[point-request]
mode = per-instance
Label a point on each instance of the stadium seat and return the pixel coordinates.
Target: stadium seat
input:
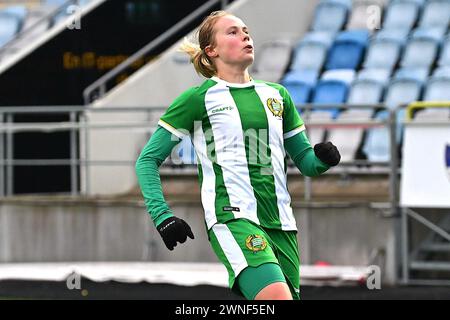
(422, 48)
(385, 48)
(299, 83)
(438, 86)
(311, 51)
(436, 14)
(333, 88)
(419, 74)
(377, 143)
(348, 49)
(10, 24)
(444, 59)
(401, 14)
(348, 139)
(331, 15)
(364, 91)
(404, 88)
(344, 75)
(18, 11)
(273, 58)
(381, 75)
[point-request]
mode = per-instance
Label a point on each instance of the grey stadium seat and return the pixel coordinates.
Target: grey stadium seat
(438, 86)
(311, 51)
(422, 48)
(272, 60)
(436, 14)
(385, 48)
(402, 14)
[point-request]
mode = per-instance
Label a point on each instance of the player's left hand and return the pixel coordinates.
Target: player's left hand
(327, 153)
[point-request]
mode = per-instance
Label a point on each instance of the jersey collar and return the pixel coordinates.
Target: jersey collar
(234, 85)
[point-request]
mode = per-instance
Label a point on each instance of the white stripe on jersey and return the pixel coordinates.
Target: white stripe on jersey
(292, 133)
(171, 129)
(230, 151)
(278, 153)
(230, 248)
(208, 188)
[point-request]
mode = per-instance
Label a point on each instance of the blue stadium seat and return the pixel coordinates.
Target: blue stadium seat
(401, 14)
(438, 86)
(347, 50)
(405, 87)
(365, 92)
(10, 24)
(385, 48)
(422, 48)
(330, 92)
(444, 59)
(436, 14)
(380, 75)
(331, 15)
(18, 11)
(333, 88)
(311, 51)
(300, 83)
(377, 144)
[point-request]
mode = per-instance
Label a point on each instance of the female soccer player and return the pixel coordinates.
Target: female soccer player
(241, 129)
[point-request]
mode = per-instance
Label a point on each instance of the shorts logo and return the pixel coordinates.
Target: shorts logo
(255, 243)
(275, 107)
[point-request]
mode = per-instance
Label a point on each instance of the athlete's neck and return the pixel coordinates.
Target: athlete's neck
(234, 75)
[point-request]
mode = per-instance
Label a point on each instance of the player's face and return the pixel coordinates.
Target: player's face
(233, 42)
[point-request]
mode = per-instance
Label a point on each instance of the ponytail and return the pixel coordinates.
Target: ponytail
(206, 37)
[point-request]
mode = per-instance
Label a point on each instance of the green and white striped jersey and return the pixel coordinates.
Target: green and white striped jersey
(237, 132)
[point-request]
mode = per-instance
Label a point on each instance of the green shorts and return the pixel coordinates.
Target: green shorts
(241, 243)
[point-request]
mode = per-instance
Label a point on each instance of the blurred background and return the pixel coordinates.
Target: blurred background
(83, 84)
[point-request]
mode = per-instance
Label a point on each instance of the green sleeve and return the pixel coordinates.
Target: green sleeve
(181, 115)
(157, 149)
(291, 119)
(299, 149)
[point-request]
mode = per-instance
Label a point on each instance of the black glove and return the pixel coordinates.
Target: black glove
(174, 229)
(327, 153)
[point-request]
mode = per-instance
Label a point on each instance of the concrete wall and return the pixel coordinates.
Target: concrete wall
(160, 82)
(67, 229)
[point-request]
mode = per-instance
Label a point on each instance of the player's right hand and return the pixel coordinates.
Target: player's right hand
(173, 230)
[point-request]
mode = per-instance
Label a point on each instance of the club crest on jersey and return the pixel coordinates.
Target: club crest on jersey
(447, 159)
(275, 107)
(255, 243)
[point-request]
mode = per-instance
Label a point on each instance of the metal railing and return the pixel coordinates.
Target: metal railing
(79, 129)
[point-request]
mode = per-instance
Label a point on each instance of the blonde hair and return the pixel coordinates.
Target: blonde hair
(206, 36)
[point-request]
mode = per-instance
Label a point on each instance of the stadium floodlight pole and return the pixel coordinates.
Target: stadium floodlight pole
(101, 82)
